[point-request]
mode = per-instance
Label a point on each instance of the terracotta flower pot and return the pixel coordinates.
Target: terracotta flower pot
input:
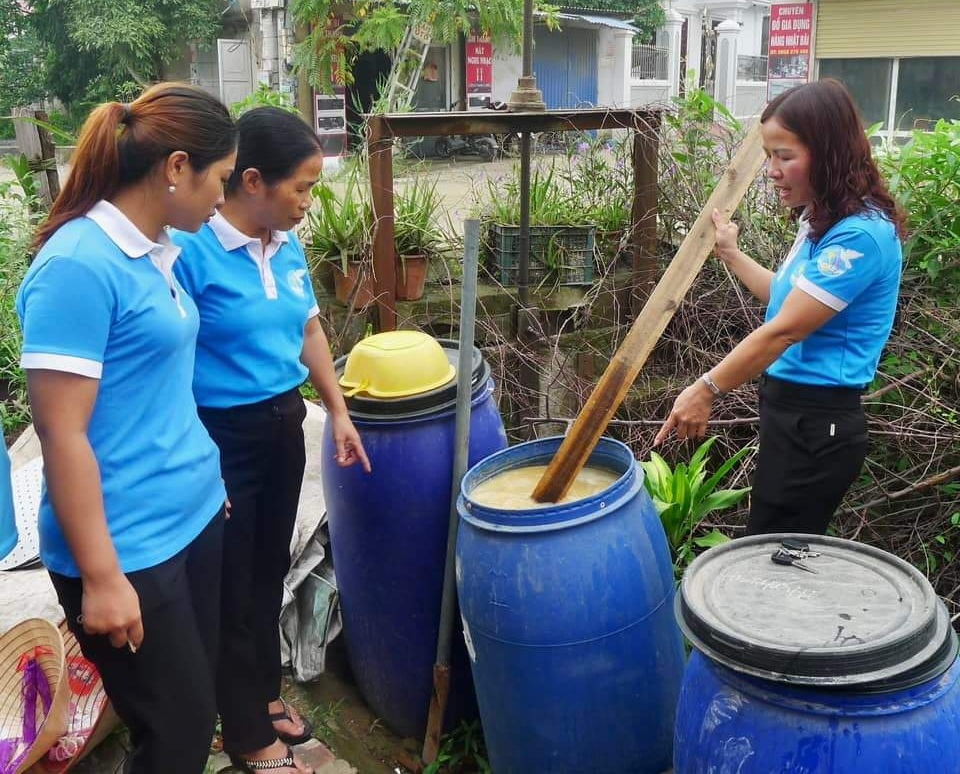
(355, 288)
(411, 277)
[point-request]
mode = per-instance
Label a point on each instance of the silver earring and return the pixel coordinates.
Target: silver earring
(172, 188)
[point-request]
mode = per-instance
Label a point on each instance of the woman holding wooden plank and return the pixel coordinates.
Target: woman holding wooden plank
(830, 309)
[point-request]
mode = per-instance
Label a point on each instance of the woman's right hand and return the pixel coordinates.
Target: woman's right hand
(111, 607)
(727, 233)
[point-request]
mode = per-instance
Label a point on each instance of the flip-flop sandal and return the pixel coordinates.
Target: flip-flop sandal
(269, 764)
(284, 714)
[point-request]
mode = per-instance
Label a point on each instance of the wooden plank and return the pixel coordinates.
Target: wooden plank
(30, 145)
(649, 325)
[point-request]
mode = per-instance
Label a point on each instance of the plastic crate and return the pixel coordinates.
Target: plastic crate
(559, 255)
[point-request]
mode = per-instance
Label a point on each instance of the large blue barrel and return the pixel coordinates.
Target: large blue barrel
(567, 610)
(388, 535)
(849, 665)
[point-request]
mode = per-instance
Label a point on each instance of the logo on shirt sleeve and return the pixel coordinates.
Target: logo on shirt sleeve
(836, 261)
(295, 278)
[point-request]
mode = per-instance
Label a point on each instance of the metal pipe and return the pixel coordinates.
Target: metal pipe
(527, 51)
(523, 243)
(468, 309)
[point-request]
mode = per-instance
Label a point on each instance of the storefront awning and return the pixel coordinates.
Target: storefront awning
(597, 21)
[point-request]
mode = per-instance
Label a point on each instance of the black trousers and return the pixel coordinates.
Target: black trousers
(165, 691)
(813, 441)
(262, 456)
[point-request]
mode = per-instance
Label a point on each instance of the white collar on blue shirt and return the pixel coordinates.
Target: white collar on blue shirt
(233, 238)
(125, 235)
(135, 244)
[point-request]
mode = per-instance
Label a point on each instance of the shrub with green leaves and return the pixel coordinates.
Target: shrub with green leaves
(18, 205)
(924, 176)
(684, 496)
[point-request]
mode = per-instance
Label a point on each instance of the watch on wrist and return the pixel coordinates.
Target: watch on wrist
(711, 385)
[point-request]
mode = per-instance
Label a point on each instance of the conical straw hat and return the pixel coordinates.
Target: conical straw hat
(90, 716)
(33, 693)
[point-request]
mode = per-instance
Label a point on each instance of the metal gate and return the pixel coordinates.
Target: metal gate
(565, 63)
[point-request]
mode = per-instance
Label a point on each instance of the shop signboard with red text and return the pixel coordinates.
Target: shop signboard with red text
(790, 56)
(479, 72)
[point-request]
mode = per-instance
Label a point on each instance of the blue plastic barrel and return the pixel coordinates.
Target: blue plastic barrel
(388, 535)
(849, 665)
(730, 722)
(568, 613)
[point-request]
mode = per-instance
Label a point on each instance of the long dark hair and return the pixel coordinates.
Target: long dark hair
(843, 174)
(274, 142)
(120, 144)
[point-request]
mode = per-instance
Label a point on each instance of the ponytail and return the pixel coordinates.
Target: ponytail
(120, 144)
(94, 173)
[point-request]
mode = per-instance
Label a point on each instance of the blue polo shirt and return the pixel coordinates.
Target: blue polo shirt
(254, 304)
(854, 269)
(101, 301)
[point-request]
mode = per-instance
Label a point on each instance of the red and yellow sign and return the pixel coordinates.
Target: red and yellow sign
(789, 60)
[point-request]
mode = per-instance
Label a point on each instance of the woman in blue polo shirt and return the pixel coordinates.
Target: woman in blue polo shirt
(131, 519)
(259, 340)
(830, 309)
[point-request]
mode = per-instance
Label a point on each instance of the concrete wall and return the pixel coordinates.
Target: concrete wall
(750, 99)
(507, 67)
(614, 52)
(645, 93)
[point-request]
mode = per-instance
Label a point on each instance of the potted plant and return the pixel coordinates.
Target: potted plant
(417, 236)
(561, 246)
(340, 228)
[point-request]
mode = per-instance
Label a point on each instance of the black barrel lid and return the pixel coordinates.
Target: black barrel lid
(864, 616)
(422, 404)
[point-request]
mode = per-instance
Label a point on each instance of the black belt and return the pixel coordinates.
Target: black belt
(276, 404)
(827, 397)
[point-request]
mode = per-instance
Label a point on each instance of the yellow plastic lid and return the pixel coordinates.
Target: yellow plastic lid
(396, 364)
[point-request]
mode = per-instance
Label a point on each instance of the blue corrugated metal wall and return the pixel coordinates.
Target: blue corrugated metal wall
(565, 63)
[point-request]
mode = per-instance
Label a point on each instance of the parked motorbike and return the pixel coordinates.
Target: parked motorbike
(481, 145)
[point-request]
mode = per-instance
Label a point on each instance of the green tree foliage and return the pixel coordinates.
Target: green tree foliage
(107, 49)
(375, 25)
(21, 71)
(648, 15)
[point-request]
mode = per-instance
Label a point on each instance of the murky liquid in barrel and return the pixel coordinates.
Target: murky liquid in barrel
(512, 489)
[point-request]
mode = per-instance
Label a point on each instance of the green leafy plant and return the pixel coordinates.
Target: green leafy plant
(264, 96)
(685, 495)
(18, 207)
(462, 751)
(340, 224)
(924, 176)
(417, 208)
(338, 33)
(551, 203)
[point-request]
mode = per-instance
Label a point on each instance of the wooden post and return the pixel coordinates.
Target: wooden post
(649, 325)
(380, 152)
(36, 144)
(643, 231)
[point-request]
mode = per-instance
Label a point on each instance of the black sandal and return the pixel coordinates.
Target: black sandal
(284, 714)
(269, 764)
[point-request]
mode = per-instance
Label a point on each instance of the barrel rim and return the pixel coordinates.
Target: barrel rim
(553, 517)
(926, 663)
(857, 700)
